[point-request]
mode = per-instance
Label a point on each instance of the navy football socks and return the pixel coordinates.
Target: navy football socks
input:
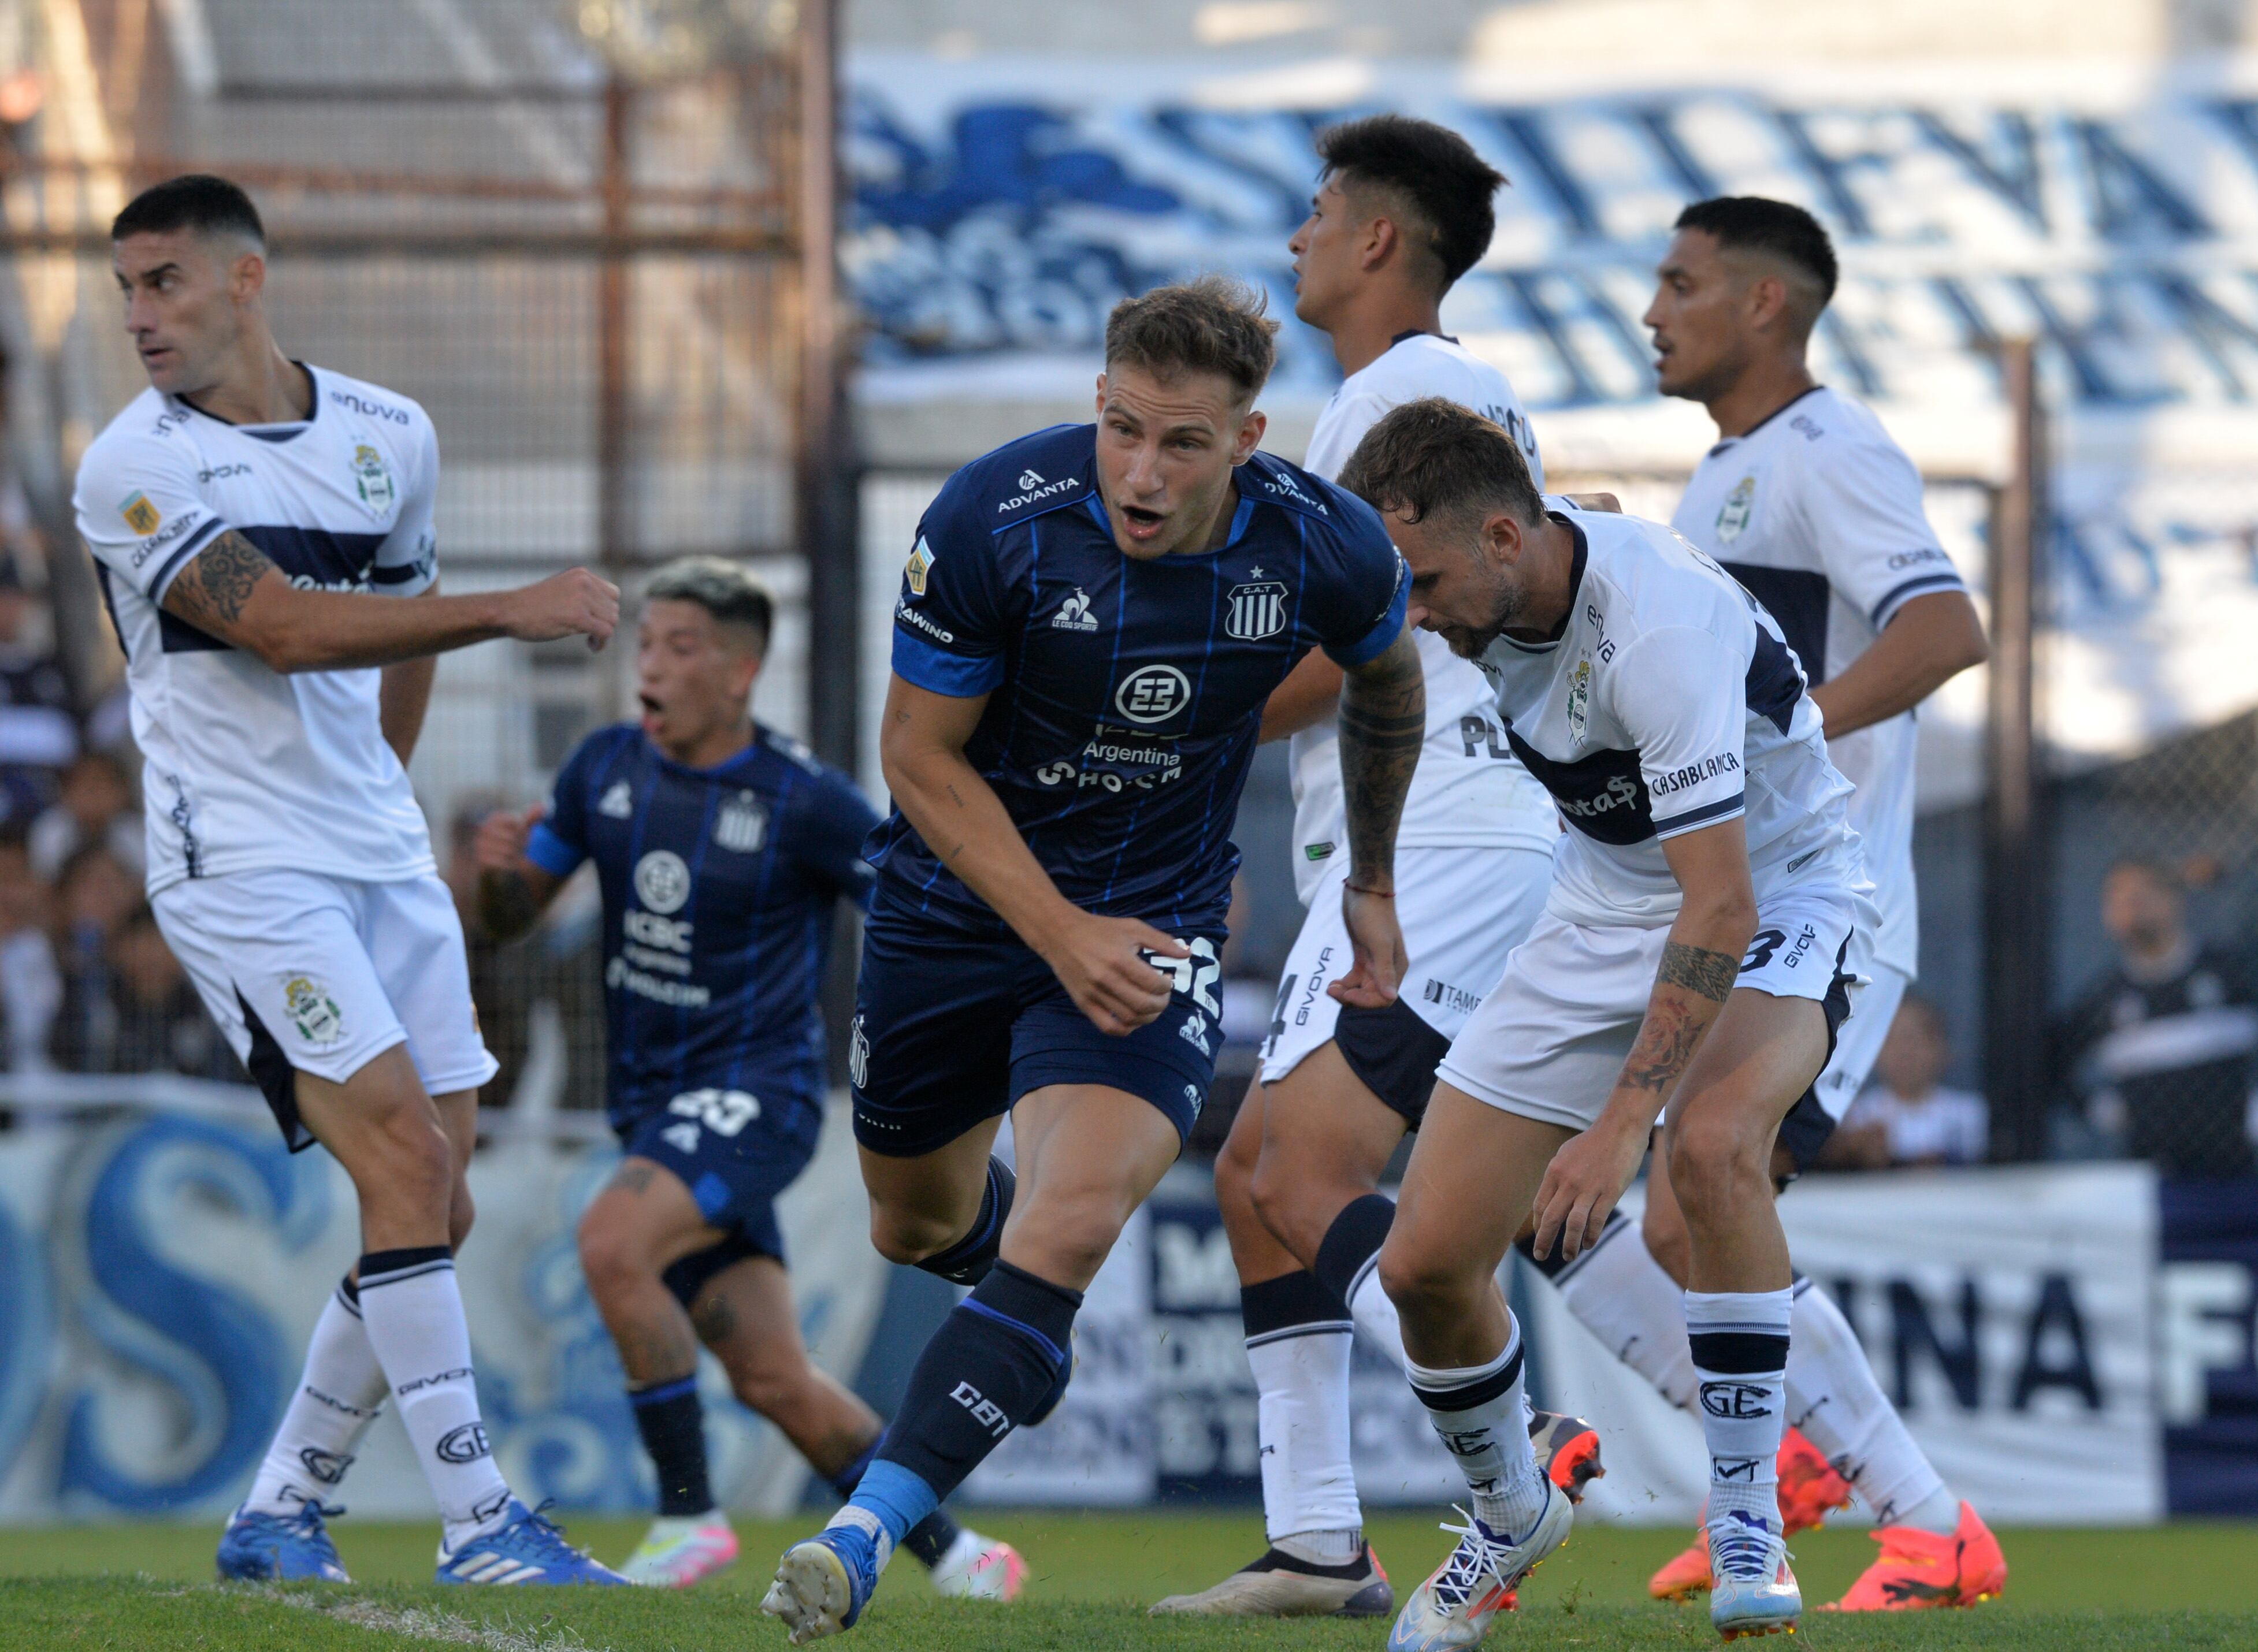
(673, 1428)
(967, 1262)
(929, 1540)
(994, 1359)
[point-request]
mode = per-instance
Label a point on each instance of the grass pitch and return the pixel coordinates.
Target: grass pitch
(147, 1588)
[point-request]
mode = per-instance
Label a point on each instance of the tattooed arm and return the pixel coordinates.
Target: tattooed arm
(1383, 723)
(1700, 962)
(230, 590)
(1098, 961)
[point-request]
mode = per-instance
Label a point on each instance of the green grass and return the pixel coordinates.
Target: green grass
(146, 1588)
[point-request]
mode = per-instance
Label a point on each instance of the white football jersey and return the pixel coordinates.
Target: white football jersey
(1669, 702)
(245, 768)
(1819, 513)
(1467, 791)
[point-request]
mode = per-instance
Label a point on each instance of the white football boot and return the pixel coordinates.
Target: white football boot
(1754, 1592)
(977, 1568)
(1452, 1609)
(680, 1550)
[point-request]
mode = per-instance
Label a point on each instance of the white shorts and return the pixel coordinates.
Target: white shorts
(307, 972)
(1549, 1041)
(1859, 1045)
(1462, 910)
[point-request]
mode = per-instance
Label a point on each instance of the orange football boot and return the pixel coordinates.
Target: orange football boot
(1810, 1490)
(1918, 1570)
(1569, 1448)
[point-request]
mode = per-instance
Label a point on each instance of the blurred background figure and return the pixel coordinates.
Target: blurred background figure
(2156, 1053)
(96, 805)
(31, 984)
(1908, 1116)
(38, 736)
(148, 1018)
(94, 895)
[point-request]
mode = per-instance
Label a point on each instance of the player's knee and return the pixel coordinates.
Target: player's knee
(612, 1257)
(774, 1387)
(1280, 1199)
(1714, 1157)
(1237, 1168)
(907, 1237)
(1419, 1280)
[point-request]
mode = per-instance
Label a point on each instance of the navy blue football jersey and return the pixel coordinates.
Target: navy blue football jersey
(719, 886)
(1125, 697)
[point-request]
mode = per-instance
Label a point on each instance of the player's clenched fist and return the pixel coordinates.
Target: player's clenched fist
(1101, 963)
(503, 837)
(575, 603)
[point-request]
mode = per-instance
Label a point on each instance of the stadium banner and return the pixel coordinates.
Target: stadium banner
(159, 1275)
(2207, 1346)
(1001, 206)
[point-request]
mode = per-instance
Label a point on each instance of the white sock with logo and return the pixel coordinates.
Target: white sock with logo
(1301, 1422)
(1834, 1398)
(1740, 1341)
(340, 1393)
(1481, 1415)
(414, 1313)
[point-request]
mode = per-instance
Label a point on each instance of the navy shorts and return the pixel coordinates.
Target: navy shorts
(952, 1029)
(735, 1149)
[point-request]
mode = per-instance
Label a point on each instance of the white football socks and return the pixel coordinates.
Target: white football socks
(1309, 1485)
(1478, 1413)
(1739, 1342)
(1623, 1297)
(1835, 1398)
(340, 1393)
(414, 1313)
(1374, 1314)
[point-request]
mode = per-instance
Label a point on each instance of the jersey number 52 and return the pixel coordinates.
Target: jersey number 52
(1192, 977)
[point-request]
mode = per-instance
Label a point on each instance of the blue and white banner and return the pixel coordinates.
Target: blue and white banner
(158, 1278)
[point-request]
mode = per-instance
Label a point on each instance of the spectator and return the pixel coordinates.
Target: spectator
(96, 806)
(31, 984)
(93, 897)
(153, 1021)
(2160, 1049)
(38, 735)
(1907, 1117)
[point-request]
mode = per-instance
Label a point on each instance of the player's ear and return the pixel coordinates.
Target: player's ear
(1250, 436)
(247, 279)
(1767, 301)
(1101, 395)
(1382, 239)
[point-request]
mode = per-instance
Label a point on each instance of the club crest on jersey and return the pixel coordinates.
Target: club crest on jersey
(140, 515)
(1580, 698)
(661, 881)
(1073, 613)
(371, 478)
(1257, 609)
(618, 803)
(313, 1011)
(1733, 515)
(1153, 694)
(920, 564)
(743, 823)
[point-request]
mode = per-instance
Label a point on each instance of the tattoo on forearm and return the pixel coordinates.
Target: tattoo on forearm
(1667, 1039)
(212, 589)
(1698, 969)
(1383, 723)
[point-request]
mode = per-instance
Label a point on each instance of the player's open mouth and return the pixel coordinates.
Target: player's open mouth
(651, 708)
(1141, 523)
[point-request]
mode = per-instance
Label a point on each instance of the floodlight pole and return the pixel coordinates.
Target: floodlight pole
(826, 513)
(2018, 861)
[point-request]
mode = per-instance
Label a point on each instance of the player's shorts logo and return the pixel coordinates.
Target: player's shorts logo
(1256, 611)
(1153, 694)
(661, 881)
(313, 1011)
(372, 479)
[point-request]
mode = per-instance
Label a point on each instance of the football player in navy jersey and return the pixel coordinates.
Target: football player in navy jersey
(721, 848)
(1088, 628)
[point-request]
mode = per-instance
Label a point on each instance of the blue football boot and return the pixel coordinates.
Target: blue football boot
(524, 1549)
(823, 1583)
(275, 1548)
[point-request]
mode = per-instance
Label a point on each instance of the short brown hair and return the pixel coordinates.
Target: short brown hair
(1434, 458)
(1213, 324)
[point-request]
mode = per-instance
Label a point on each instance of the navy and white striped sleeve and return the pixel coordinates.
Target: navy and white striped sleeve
(140, 508)
(1862, 505)
(1681, 694)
